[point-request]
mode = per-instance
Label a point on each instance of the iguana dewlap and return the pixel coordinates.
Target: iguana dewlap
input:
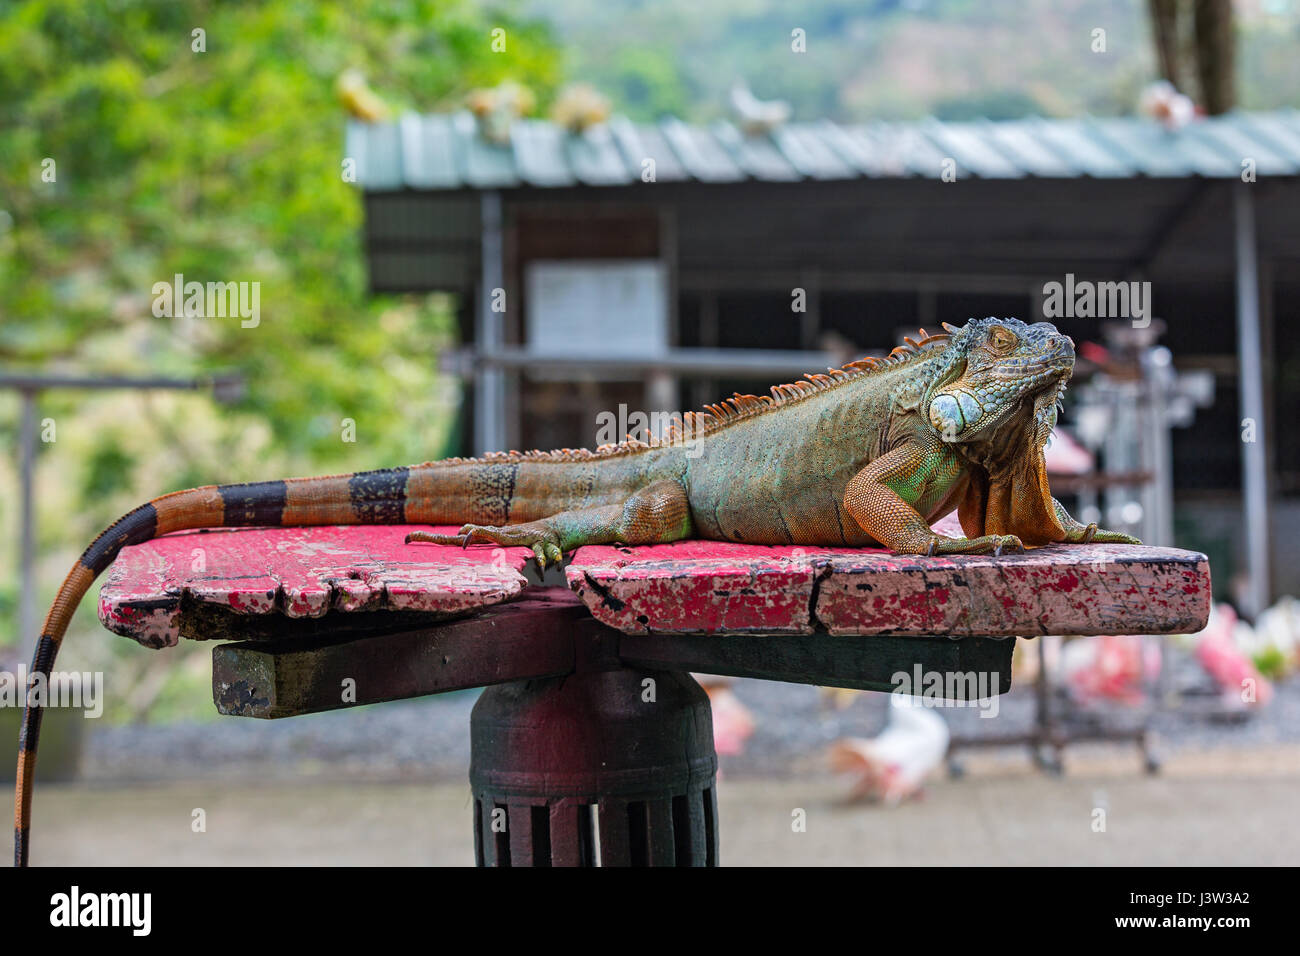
(871, 453)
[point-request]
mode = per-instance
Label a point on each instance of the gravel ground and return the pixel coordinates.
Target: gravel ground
(428, 739)
(1192, 815)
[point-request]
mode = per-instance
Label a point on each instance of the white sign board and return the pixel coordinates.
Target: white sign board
(600, 307)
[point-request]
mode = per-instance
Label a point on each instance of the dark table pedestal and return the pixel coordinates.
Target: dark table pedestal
(608, 768)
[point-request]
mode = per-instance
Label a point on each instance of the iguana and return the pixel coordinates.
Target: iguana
(870, 453)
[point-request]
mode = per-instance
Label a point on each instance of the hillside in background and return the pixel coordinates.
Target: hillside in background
(896, 58)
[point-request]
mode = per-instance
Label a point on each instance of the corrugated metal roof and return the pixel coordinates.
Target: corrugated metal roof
(446, 152)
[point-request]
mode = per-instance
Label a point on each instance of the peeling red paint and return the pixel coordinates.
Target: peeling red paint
(689, 587)
(695, 587)
(300, 572)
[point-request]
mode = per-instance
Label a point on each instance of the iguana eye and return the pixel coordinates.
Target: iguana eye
(1001, 339)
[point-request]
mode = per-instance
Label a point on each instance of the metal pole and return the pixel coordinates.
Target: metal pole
(489, 382)
(1159, 386)
(27, 547)
(1254, 473)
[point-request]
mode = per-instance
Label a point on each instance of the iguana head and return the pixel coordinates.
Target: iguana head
(998, 368)
(994, 399)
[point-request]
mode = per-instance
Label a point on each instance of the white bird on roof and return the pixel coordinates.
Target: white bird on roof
(755, 115)
(1160, 100)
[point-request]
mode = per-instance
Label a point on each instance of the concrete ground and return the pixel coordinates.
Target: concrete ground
(1207, 808)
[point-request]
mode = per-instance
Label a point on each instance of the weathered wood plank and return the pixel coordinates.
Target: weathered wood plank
(705, 587)
(1063, 589)
(526, 639)
(696, 587)
(298, 573)
(549, 633)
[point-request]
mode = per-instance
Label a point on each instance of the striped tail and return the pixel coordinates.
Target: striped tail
(502, 489)
(375, 497)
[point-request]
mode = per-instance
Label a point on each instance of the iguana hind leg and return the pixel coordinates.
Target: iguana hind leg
(657, 513)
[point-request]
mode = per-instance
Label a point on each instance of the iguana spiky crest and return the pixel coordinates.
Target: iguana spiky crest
(695, 425)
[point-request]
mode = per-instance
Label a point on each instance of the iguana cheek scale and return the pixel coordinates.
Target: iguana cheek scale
(871, 453)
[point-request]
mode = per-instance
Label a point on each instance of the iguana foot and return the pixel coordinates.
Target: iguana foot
(996, 544)
(657, 513)
(1091, 534)
(545, 543)
(1078, 533)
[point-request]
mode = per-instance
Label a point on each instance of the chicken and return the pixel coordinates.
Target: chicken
(894, 765)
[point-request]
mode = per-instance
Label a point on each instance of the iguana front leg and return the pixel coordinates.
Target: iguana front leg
(883, 497)
(656, 514)
(1078, 533)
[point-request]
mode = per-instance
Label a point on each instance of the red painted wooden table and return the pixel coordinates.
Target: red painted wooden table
(592, 742)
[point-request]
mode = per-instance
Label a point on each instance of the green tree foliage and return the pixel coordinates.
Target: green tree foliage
(206, 138)
(223, 165)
